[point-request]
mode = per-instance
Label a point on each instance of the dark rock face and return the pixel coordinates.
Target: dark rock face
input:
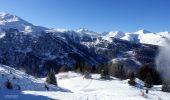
(39, 54)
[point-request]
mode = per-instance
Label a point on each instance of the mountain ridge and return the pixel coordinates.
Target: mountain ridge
(39, 51)
(141, 36)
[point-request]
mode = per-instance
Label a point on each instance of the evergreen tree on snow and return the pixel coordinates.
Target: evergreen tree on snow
(104, 74)
(132, 79)
(148, 80)
(51, 79)
(166, 86)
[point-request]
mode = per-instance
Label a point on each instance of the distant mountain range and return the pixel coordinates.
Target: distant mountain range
(142, 36)
(36, 48)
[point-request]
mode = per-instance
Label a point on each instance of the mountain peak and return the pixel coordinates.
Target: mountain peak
(12, 21)
(118, 32)
(2, 13)
(8, 18)
(82, 30)
(143, 31)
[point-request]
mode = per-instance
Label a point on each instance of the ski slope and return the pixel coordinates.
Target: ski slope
(97, 89)
(73, 86)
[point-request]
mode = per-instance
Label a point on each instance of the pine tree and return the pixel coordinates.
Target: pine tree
(35, 71)
(81, 67)
(132, 79)
(145, 69)
(8, 84)
(51, 79)
(166, 86)
(93, 69)
(148, 80)
(104, 74)
(118, 70)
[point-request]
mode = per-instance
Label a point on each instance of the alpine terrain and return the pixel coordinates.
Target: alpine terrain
(39, 63)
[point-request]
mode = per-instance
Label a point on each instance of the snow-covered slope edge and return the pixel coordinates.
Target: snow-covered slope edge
(23, 80)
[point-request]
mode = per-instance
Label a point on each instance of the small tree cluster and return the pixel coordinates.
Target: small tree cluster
(148, 81)
(81, 67)
(132, 79)
(166, 86)
(117, 70)
(149, 75)
(64, 68)
(51, 79)
(93, 69)
(104, 73)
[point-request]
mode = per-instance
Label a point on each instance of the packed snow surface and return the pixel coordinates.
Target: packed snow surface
(73, 86)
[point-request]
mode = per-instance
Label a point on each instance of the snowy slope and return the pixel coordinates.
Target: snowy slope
(141, 36)
(25, 81)
(73, 87)
(97, 89)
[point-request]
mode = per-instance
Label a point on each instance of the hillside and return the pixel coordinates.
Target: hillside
(22, 82)
(37, 49)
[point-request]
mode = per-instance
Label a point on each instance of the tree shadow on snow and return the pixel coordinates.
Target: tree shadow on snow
(18, 95)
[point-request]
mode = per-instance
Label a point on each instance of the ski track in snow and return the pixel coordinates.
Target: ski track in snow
(73, 86)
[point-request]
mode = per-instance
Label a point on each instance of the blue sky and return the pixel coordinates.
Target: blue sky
(96, 15)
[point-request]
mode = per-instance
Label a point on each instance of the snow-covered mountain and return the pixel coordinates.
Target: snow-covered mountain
(42, 48)
(141, 36)
(12, 21)
(37, 49)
